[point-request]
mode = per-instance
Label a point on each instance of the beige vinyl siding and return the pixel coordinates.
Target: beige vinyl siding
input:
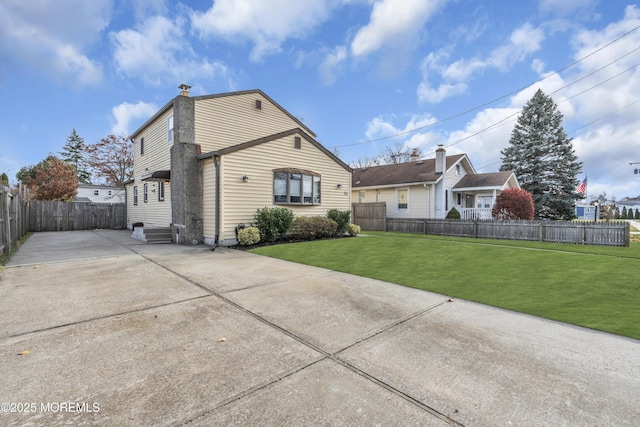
(156, 157)
(240, 200)
(231, 120)
(209, 198)
(418, 203)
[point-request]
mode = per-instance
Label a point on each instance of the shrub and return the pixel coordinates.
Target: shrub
(513, 203)
(353, 230)
(273, 223)
(312, 227)
(453, 214)
(341, 218)
(248, 236)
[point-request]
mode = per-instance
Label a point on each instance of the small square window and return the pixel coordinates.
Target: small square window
(96, 192)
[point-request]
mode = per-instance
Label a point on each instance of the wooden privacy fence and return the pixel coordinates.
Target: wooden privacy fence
(50, 215)
(370, 216)
(13, 217)
(587, 233)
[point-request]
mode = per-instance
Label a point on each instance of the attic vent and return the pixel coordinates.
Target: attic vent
(297, 143)
(258, 104)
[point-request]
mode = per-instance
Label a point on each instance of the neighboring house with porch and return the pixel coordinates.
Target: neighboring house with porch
(430, 188)
(92, 193)
(203, 165)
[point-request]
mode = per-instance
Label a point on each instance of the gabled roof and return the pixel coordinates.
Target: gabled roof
(169, 105)
(269, 138)
(401, 173)
(485, 180)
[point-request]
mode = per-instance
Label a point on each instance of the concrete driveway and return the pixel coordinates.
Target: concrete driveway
(99, 329)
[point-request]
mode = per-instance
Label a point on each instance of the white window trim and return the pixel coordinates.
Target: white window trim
(403, 210)
(170, 125)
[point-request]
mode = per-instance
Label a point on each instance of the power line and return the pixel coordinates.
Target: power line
(503, 96)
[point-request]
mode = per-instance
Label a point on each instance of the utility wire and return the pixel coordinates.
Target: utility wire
(499, 98)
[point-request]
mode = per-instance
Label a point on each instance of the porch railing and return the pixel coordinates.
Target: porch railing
(476, 214)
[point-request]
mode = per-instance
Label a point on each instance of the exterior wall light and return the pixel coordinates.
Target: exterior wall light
(339, 186)
(245, 178)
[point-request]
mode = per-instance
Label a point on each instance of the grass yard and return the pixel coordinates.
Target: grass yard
(592, 286)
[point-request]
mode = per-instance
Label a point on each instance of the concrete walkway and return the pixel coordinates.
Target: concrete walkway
(99, 329)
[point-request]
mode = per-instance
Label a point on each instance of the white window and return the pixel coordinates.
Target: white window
(109, 193)
(296, 188)
(484, 202)
(96, 192)
(145, 193)
(402, 198)
(161, 191)
(457, 170)
(170, 129)
(362, 196)
(135, 195)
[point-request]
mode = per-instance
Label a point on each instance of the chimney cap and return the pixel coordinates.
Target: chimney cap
(184, 89)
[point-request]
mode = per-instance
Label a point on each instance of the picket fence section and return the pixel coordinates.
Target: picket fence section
(587, 233)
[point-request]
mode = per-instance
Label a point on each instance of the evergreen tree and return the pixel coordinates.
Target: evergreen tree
(624, 212)
(73, 154)
(637, 216)
(543, 159)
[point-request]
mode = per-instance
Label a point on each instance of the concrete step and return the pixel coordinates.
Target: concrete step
(158, 235)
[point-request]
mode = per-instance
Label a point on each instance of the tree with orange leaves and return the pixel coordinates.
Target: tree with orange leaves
(111, 159)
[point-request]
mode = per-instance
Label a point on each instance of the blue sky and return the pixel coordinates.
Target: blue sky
(362, 74)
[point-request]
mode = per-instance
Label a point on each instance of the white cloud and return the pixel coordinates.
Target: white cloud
(126, 113)
(51, 36)
(267, 25)
(332, 64)
(393, 23)
(157, 50)
(427, 93)
(523, 42)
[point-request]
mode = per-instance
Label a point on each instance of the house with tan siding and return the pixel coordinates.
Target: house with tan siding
(203, 165)
(430, 188)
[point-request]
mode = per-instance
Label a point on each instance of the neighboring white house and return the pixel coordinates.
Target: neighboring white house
(430, 188)
(100, 194)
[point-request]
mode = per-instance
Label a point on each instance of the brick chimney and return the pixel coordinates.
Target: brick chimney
(441, 159)
(184, 89)
(414, 155)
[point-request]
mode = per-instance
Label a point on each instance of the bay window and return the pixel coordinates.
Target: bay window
(296, 187)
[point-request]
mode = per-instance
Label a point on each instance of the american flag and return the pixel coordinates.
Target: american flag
(582, 187)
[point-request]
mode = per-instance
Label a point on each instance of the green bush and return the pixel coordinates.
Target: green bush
(453, 214)
(353, 230)
(248, 236)
(312, 227)
(273, 223)
(341, 218)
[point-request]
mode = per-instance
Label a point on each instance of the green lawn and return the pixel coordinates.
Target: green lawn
(591, 286)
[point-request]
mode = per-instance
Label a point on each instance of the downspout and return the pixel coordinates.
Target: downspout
(217, 231)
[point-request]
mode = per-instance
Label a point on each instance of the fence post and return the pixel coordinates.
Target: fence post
(540, 234)
(7, 220)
